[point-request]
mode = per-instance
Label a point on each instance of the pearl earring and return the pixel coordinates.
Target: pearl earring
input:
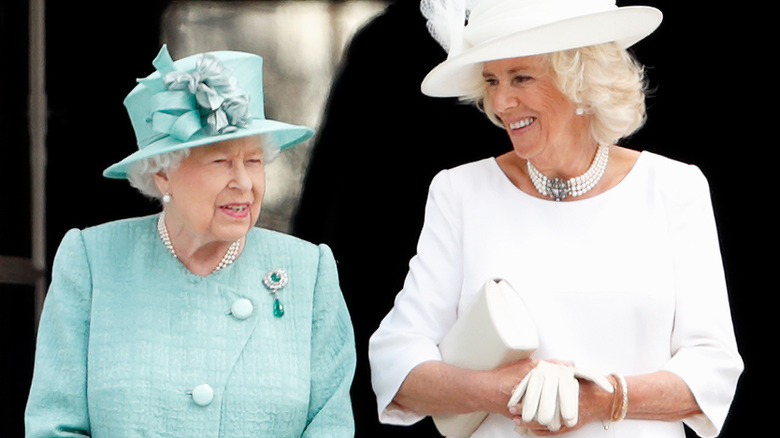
(166, 198)
(579, 111)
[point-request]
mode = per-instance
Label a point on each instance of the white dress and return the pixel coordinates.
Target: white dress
(629, 281)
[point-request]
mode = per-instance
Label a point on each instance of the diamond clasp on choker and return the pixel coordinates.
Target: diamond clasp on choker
(558, 189)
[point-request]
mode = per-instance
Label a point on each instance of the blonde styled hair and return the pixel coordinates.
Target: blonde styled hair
(605, 80)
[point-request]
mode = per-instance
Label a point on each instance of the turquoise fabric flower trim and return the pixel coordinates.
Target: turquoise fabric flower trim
(207, 99)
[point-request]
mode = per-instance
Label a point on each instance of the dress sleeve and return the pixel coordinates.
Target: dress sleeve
(703, 344)
(425, 308)
(57, 404)
(333, 356)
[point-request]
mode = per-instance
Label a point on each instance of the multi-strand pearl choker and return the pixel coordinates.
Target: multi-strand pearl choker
(228, 258)
(559, 189)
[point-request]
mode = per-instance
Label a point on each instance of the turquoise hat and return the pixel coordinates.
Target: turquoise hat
(200, 100)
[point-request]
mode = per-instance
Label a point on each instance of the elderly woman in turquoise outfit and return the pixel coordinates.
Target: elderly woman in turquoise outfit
(194, 322)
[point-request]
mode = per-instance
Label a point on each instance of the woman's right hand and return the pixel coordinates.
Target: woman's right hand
(509, 376)
(550, 394)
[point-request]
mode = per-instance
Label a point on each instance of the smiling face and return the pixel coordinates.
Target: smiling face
(540, 120)
(216, 192)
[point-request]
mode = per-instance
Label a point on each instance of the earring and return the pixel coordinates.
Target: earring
(166, 198)
(579, 111)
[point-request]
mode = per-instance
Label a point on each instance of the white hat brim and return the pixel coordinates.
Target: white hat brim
(625, 26)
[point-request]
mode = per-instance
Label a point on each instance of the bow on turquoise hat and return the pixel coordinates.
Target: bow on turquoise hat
(186, 102)
(199, 100)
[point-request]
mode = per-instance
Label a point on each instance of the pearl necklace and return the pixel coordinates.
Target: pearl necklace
(228, 258)
(559, 189)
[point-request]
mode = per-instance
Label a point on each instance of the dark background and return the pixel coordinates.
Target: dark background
(380, 145)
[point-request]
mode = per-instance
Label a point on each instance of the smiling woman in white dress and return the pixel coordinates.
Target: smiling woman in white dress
(614, 250)
(195, 322)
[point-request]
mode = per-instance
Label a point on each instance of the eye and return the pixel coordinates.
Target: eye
(257, 159)
(490, 81)
(520, 79)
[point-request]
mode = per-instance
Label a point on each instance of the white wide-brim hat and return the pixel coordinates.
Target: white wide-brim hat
(502, 29)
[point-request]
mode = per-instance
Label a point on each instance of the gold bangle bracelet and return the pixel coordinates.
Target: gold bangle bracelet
(619, 406)
(621, 414)
(624, 405)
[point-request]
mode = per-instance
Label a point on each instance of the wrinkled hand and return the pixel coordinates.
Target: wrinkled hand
(550, 394)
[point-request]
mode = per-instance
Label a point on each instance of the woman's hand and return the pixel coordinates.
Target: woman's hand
(660, 396)
(507, 379)
(550, 395)
(594, 405)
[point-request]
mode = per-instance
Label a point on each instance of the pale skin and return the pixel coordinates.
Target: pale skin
(544, 128)
(216, 195)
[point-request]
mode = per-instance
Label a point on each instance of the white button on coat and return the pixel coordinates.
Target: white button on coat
(202, 395)
(241, 308)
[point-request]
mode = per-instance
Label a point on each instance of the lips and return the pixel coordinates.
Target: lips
(522, 123)
(236, 209)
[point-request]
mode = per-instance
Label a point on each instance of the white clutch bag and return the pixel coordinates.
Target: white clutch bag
(496, 329)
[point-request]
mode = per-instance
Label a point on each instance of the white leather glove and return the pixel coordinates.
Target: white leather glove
(550, 394)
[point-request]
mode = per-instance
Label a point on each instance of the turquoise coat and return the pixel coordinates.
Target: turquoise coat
(127, 333)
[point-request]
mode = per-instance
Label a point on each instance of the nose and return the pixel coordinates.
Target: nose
(241, 179)
(502, 98)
